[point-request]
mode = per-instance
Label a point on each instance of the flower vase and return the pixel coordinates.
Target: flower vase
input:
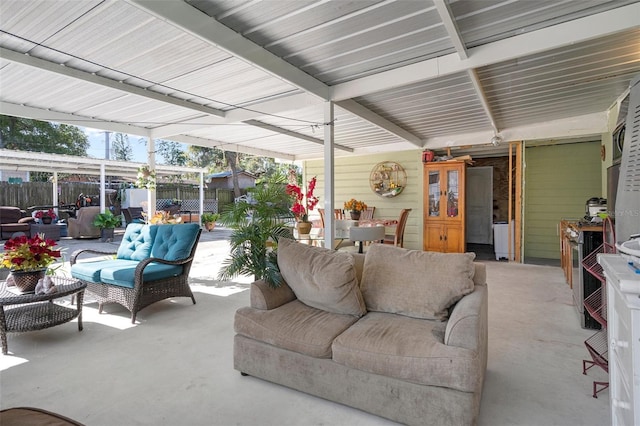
(27, 280)
(304, 227)
(355, 214)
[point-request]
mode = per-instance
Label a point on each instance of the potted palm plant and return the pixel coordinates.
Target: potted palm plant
(107, 222)
(256, 225)
(209, 220)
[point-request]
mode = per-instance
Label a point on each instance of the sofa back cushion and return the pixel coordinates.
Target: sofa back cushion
(136, 242)
(415, 283)
(321, 278)
(10, 214)
(174, 242)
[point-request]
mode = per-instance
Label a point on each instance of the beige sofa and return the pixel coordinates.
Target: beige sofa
(398, 333)
(81, 226)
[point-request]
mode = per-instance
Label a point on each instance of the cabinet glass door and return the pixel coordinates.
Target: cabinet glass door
(452, 193)
(434, 193)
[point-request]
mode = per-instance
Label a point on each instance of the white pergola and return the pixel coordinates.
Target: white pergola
(56, 163)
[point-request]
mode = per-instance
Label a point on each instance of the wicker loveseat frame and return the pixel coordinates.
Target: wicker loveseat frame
(146, 286)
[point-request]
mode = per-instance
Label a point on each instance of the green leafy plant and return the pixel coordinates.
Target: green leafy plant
(209, 217)
(106, 220)
(257, 223)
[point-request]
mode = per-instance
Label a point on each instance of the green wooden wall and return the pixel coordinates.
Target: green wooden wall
(559, 179)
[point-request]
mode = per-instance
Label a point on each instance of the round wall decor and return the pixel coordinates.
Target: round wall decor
(388, 179)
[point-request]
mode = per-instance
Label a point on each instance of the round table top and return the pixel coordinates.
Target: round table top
(65, 286)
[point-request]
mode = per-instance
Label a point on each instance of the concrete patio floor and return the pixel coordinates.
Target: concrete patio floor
(175, 365)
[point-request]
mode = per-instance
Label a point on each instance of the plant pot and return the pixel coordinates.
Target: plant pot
(355, 214)
(106, 234)
(304, 227)
(209, 226)
(46, 220)
(27, 280)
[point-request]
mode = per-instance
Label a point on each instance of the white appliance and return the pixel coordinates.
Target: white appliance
(501, 241)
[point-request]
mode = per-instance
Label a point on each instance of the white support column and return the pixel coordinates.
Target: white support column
(329, 228)
(201, 195)
(103, 193)
(55, 193)
(151, 193)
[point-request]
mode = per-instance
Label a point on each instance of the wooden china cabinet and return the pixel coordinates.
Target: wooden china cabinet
(444, 228)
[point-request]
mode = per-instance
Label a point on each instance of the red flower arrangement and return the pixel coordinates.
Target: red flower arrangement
(29, 254)
(41, 213)
(299, 209)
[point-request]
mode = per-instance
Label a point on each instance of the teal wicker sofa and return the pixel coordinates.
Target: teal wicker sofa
(152, 264)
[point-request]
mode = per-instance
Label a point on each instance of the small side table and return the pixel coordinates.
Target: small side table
(51, 231)
(30, 312)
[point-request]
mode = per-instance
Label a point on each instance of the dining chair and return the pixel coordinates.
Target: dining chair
(368, 213)
(337, 214)
(397, 239)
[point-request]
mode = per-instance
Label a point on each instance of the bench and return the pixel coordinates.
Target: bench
(152, 263)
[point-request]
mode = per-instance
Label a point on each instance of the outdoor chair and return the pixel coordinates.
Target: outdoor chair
(133, 215)
(152, 264)
(81, 226)
(397, 239)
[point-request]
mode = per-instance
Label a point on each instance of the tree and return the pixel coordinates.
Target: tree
(205, 157)
(122, 149)
(40, 136)
(172, 153)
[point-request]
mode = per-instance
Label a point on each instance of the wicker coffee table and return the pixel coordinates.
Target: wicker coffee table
(30, 312)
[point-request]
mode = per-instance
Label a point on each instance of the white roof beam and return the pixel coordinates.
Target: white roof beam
(451, 27)
(24, 111)
(191, 20)
(45, 65)
(291, 133)
(382, 123)
(473, 76)
(225, 146)
(568, 33)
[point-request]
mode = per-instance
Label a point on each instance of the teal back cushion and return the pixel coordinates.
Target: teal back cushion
(174, 242)
(137, 242)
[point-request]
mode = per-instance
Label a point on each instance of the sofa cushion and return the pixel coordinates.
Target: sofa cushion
(408, 349)
(415, 283)
(174, 242)
(123, 274)
(90, 271)
(136, 242)
(293, 326)
(322, 278)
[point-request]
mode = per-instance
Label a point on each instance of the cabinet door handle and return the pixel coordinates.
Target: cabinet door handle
(440, 237)
(445, 238)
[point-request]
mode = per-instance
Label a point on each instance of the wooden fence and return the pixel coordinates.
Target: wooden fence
(28, 194)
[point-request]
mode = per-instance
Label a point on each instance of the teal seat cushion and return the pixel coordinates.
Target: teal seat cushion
(122, 274)
(90, 271)
(174, 242)
(137, 242)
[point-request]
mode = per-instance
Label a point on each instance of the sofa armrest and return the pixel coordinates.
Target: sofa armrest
(77, 253)
(467, 325)
(265, 297)
(27, 220)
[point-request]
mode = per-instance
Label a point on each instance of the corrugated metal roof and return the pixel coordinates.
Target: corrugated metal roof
(416, 73)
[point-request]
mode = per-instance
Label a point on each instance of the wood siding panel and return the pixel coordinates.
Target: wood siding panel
(559, 179)
(352, 181)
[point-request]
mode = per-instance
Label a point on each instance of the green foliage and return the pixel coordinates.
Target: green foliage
(171, 152)
(41, 136)
(209, 217)
(122, 149)
(106, 220)
(257, 225)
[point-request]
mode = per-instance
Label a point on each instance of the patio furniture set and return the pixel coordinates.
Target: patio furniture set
(151, 264)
